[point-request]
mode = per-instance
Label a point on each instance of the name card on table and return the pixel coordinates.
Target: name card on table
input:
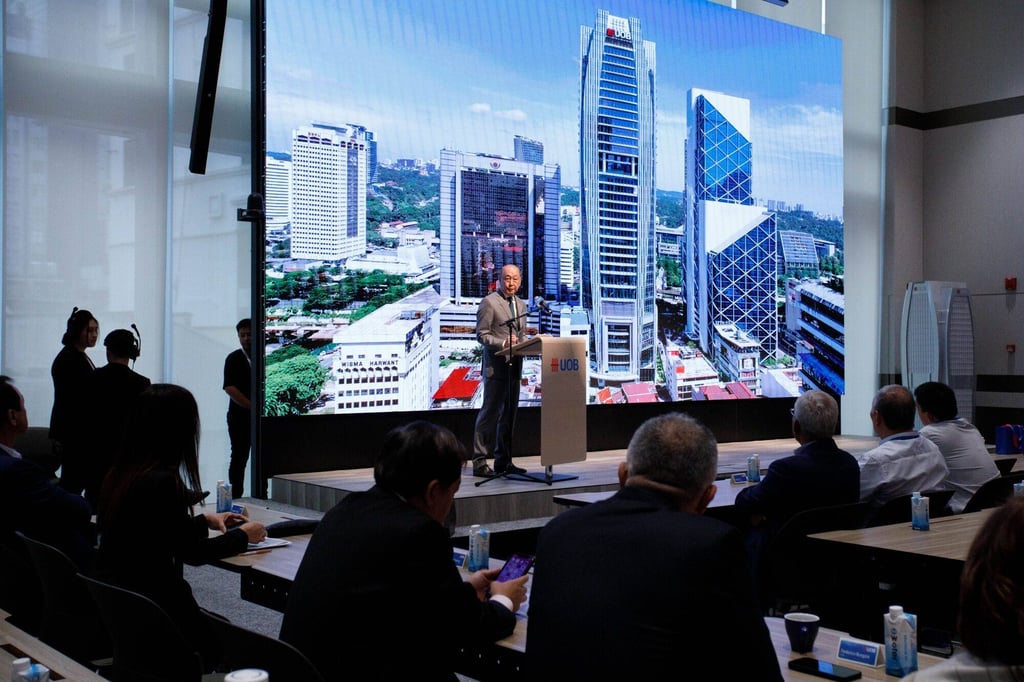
(861, 652)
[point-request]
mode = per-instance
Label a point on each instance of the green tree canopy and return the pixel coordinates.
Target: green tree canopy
(293, 384)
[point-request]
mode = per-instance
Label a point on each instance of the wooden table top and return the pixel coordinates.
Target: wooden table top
(825, 648)
(16, 643)
(950, 537)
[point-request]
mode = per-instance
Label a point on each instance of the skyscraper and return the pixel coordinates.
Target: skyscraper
(278, 190)
(494, 212)
(731, 260)
(528, 150)
(329, 170)
(617, 150)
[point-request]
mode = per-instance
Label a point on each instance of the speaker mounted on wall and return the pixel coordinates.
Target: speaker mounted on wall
(206, 92)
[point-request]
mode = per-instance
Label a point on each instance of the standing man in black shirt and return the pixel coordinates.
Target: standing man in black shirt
(238, 386)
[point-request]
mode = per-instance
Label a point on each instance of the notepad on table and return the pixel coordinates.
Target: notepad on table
(268, 543)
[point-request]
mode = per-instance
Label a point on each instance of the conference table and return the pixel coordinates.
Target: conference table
(267, 576)
(949, 537)
(16, 643)
(506, 662)
(894, 564)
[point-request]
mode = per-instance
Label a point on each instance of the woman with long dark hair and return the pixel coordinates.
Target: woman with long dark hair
(70, 370)
(147, 525)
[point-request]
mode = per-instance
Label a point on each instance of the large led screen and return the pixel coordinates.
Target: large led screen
(667, 176)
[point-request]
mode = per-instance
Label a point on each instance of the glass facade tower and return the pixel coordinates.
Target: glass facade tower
(493, 213)
(617, 150)
(731, 257)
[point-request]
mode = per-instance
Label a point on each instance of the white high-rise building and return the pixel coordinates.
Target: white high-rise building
(388, 361)
(277, 201)
(617, 152)
(328, 197)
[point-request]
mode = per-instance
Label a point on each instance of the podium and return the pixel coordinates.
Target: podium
(563, 403)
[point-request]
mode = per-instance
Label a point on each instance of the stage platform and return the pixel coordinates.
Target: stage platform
(504, 500)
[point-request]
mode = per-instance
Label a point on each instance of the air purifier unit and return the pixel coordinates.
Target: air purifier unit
(937, 339)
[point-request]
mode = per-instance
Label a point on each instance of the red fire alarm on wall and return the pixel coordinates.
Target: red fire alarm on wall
(1010, 283)
(1011, 348)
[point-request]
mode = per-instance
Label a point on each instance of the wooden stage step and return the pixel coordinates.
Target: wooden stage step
(505, 500)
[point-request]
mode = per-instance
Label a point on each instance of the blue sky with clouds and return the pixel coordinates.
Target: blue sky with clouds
(471, 74)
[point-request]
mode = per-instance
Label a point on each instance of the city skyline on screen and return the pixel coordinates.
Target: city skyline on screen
(391, 67)
(668, 177)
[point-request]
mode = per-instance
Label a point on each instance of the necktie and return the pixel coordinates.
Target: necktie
(512, 309)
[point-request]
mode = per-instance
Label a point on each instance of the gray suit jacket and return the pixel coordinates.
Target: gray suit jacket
(490, 321)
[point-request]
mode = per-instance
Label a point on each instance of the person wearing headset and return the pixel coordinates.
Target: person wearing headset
(69, 370)
(112, 392)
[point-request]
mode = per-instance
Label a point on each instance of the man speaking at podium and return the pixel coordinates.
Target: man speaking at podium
(499, 321)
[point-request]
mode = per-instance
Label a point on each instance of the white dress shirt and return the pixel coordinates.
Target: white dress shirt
(901, 464)
(967, 458)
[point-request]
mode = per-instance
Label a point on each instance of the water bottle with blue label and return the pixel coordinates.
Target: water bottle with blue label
(754, 468)
(479, 549)
(919, 513)
(900, 642)
(24, 670)
(223, 497)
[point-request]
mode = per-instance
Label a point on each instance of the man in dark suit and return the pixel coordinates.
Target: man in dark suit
(377, 596)
(817, 474)
(498, 325)
(642, 583)
(30, 501)
(112, 391)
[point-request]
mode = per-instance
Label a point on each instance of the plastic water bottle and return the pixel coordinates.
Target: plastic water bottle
(919, 518)
(754, 468)
(24, 670)
(223, 497)
(479, 548)
(900, 642)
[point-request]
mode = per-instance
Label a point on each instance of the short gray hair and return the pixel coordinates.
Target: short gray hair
(818, 413)
(674, 449)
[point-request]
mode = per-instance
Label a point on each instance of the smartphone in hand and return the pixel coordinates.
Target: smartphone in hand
(517, 565)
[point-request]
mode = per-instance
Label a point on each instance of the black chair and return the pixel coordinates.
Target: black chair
(245, 648)
(897, 510)
(21, 595)
(148, 646)
(1005, 465)
(70, 621)
(993, 493)
(793, 572)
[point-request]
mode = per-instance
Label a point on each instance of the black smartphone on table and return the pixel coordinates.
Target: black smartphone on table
(830, 671)
(517, 565)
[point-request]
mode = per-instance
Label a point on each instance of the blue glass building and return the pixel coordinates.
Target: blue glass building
(617, 149)
(731, 258)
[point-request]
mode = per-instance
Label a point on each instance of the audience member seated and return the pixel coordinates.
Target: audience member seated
(112, 391)
(904, 461)
(30, 500)
(817, 474)
(991, 616)
(377, 595)
(146, 525)
(641, 583)
(960, 443)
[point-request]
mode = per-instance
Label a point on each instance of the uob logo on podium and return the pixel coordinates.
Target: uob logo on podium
(565, 365)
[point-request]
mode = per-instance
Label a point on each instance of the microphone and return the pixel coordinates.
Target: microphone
(541, 303)
(138, 342)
